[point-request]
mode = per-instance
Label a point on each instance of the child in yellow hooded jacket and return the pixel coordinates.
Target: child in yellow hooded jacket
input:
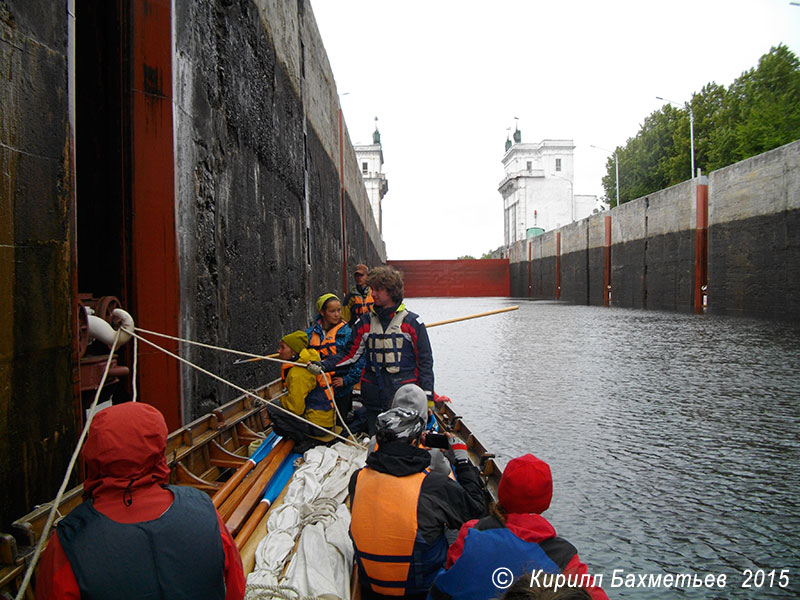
(307, 395)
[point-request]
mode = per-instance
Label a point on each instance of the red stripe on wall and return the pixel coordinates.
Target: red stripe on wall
(701, 247)
(454, 278)
(154, 244)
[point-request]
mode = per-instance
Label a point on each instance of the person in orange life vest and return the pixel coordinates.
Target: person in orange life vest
(134, 536)
(329, 335)
(514, 536)
(394, 343)
(307, 395)
(359, 301)
(400, 509)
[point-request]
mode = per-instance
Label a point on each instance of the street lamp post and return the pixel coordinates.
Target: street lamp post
(691, 128)
(616, 166)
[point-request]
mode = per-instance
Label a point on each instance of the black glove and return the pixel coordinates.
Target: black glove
(315, 367)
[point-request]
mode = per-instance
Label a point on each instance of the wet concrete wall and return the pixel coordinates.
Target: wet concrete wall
(753, 249)
(575, 263)
(628, 266)
(260, 154)
(653, 252)
(754, 236)
(596, 261)
(532, 266)
(239, 158)
(37, 425)
(669, 262)
(652, 256)
(582, 262)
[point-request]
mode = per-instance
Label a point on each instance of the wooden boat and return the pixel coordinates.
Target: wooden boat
(205, 454)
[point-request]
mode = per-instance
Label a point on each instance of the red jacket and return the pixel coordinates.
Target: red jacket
(126, 443)
(529, 528)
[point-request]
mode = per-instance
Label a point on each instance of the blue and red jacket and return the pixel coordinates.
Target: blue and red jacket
(382, 375)
(526, 543)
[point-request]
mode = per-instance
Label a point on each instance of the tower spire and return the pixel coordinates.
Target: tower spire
(376, 135)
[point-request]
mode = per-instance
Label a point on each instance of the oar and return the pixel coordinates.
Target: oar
(483, 314)
(222, 493)
(253, 496)
(235, 499)
(272, 491)
(427, 325)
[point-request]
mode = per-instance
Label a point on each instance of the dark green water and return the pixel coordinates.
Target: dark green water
(673, 439)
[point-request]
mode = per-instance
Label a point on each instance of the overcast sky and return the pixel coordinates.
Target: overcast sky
(446, 79)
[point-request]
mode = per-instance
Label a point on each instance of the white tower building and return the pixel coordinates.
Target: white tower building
(370, 161)
(538, 193)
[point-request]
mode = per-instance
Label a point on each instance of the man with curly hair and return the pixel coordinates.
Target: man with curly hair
(394, 342)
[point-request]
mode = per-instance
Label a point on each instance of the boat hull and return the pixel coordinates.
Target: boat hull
(204, 454)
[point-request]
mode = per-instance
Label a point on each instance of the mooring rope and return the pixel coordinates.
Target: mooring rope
(236, 387)
(209, 346)
(338, 412)
(261, 591)
(319, 509)
(135, 362)
(240, 353)
(54, 509)
(62, 489)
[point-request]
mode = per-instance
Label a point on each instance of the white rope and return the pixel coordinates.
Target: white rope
(338, 412)
(320, 508)
(211, 347)
(56, 502)
(242, 390)
(256, 591)
(54, 509)
(135, 362)
(238, 352)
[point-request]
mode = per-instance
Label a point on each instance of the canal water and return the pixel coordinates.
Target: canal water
(672, 438)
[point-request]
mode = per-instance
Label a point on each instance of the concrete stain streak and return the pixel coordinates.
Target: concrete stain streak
(21, 151)
(5, 41)
(34, 42)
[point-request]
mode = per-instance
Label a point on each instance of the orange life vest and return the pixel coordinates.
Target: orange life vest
(321, 397)
(361, 304)
(327, 345)
(384, 528)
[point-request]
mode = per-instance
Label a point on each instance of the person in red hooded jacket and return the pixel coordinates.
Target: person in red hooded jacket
(134, 536)
(514, 540)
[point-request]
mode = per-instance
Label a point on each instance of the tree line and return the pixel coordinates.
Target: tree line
(759, 111)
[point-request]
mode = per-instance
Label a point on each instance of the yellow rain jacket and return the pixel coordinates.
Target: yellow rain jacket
(308, 393)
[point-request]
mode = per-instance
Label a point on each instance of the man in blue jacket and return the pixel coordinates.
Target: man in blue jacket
(394, 342)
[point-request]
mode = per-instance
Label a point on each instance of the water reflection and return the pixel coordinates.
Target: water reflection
(673, 438)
